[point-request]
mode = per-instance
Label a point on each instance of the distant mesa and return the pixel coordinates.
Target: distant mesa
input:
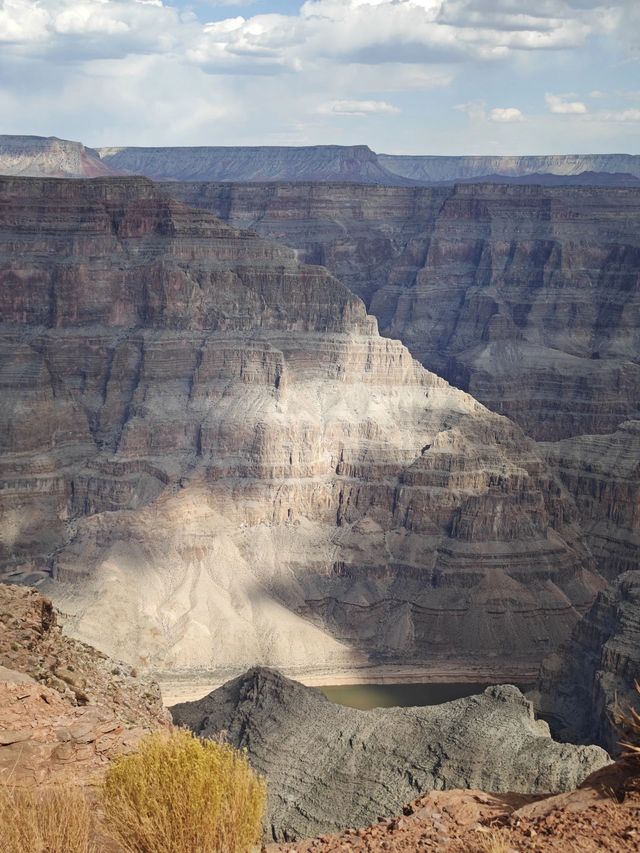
(52, 157)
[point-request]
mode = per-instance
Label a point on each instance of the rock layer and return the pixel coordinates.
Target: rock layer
(219, 461)
(584, 685)
(602, 472)
(330, 767)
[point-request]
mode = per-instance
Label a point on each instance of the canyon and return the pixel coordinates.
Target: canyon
(211, 458)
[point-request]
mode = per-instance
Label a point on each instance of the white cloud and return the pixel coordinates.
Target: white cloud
(474, 109)
(506, 115)
(558, 104)
(356, 108)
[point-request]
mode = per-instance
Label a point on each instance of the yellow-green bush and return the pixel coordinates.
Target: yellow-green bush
(45, 820)
(180, 794)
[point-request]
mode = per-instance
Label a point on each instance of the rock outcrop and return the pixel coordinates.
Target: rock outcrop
(527, 297)
(582, 687)
(50, 157)
(330, 767)
(211, 459)
(65, 708)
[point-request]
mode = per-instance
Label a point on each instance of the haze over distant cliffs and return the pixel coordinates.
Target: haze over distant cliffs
(355, 163)
(219, 461)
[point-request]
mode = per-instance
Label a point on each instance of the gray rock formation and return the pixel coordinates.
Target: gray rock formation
(212, 459)
(329, 767)
(581, 686)
(50, 157)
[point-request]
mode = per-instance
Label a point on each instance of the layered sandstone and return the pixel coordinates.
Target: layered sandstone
(585, 685)
(528, 297)
(331, 767)
(212, 459)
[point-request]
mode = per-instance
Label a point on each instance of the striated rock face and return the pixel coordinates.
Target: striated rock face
(527, 297)
(330, 767)
(50, 157)
(581, 686)
(211, 458)
(438, 168)
(64, 707)
(602, 472)
(260, 163)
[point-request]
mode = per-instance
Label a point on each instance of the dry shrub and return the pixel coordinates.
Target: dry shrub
(45, 820)
(496, 841)
(629, 724)
(180, 794)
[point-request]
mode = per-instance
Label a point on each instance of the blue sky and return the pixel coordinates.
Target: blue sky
(403, 76)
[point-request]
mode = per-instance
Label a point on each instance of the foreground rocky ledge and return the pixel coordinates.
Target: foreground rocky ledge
(330, 767)
(65, 709)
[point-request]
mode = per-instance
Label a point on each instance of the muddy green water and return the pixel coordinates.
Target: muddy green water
(367, 696)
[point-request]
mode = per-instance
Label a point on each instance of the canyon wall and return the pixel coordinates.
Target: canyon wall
(210, 458)
(586, 684)
(527, 297)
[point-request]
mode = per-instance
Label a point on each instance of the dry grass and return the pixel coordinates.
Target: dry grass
(45, 820)
(495, 841)
(180, 794)
(628, 722)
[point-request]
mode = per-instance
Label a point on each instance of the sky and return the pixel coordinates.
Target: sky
(402, 76)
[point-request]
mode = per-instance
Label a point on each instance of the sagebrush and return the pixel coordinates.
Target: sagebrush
(45, 820)
(180, 794)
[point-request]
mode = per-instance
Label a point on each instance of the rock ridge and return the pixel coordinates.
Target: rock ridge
(317, 755)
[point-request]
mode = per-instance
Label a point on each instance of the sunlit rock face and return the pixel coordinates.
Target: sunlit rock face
(528, 297)
(211, 458)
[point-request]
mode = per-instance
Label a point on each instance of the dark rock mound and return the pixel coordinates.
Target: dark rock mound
(330, 767)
